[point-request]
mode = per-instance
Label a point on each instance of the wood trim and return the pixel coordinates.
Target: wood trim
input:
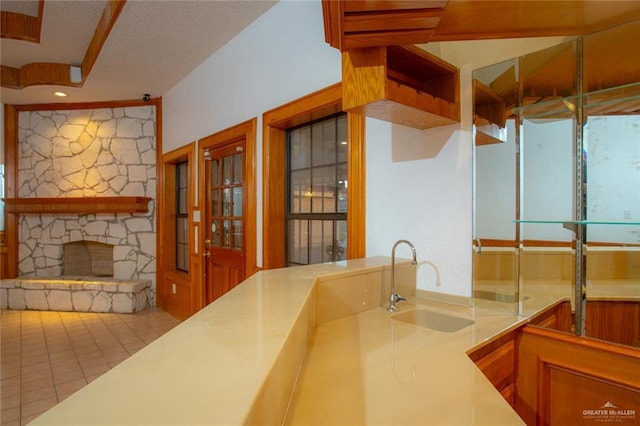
(548, 243)
(491, 242)
(157, 102)
(356, 191)
(166, 240)
(11, 188)
(80, 205)
(247, 131)
(311, 107)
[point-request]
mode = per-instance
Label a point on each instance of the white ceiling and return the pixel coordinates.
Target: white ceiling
(152, 46)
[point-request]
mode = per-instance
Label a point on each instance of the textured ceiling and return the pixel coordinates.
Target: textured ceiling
(152, 46)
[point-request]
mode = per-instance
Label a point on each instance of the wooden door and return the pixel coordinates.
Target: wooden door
(224, 219)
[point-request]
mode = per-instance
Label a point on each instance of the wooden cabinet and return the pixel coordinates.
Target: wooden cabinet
(401, 84)
(563, 379)
(497, 361)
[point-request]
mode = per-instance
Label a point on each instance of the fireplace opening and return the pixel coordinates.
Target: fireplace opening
(88, 258)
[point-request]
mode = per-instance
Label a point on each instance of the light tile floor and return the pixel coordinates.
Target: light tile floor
(46, 356)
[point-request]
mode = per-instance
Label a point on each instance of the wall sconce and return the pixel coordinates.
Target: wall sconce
(207, 155)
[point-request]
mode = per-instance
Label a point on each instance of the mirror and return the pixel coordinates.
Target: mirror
(495, 265)
(581, 96)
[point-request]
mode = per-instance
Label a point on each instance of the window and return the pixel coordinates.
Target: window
(182, 216)
(316, 215)
(315, 106)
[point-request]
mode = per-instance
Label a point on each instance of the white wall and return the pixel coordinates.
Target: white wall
(419, 188)
(280, 57)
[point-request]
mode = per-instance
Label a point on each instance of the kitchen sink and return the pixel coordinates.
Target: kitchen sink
(433, 320)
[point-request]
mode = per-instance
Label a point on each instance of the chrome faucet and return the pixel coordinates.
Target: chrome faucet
(393, 297)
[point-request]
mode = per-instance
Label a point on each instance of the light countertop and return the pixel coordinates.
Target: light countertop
(230, 363)
(373, 369)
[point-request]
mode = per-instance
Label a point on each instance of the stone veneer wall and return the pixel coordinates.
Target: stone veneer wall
(88, 153)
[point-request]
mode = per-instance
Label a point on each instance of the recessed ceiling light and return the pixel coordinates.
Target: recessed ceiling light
(60, 94)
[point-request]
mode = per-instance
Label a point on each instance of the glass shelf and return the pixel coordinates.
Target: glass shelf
(579, 222)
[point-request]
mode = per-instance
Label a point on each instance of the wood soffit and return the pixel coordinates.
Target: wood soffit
(353, 24)
(19, 26)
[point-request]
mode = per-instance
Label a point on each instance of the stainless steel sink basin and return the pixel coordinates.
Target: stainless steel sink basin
(433, 320)
(497, 297)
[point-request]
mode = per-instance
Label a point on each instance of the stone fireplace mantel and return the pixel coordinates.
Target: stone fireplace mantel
(78, 205)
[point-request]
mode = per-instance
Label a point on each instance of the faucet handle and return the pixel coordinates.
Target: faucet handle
(397, 298)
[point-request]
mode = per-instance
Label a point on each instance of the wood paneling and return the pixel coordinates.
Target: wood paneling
(37, 73)
(178, 302)
(23, 27)
(497, 361)
(558, 317)
(487, 19)
(78, 205)
(616, 321)
(357, 23)
(314, 106)
(562, 377)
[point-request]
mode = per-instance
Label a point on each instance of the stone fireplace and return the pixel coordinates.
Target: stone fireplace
(107, 152)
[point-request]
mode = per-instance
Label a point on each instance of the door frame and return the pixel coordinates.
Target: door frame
(246, 131)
